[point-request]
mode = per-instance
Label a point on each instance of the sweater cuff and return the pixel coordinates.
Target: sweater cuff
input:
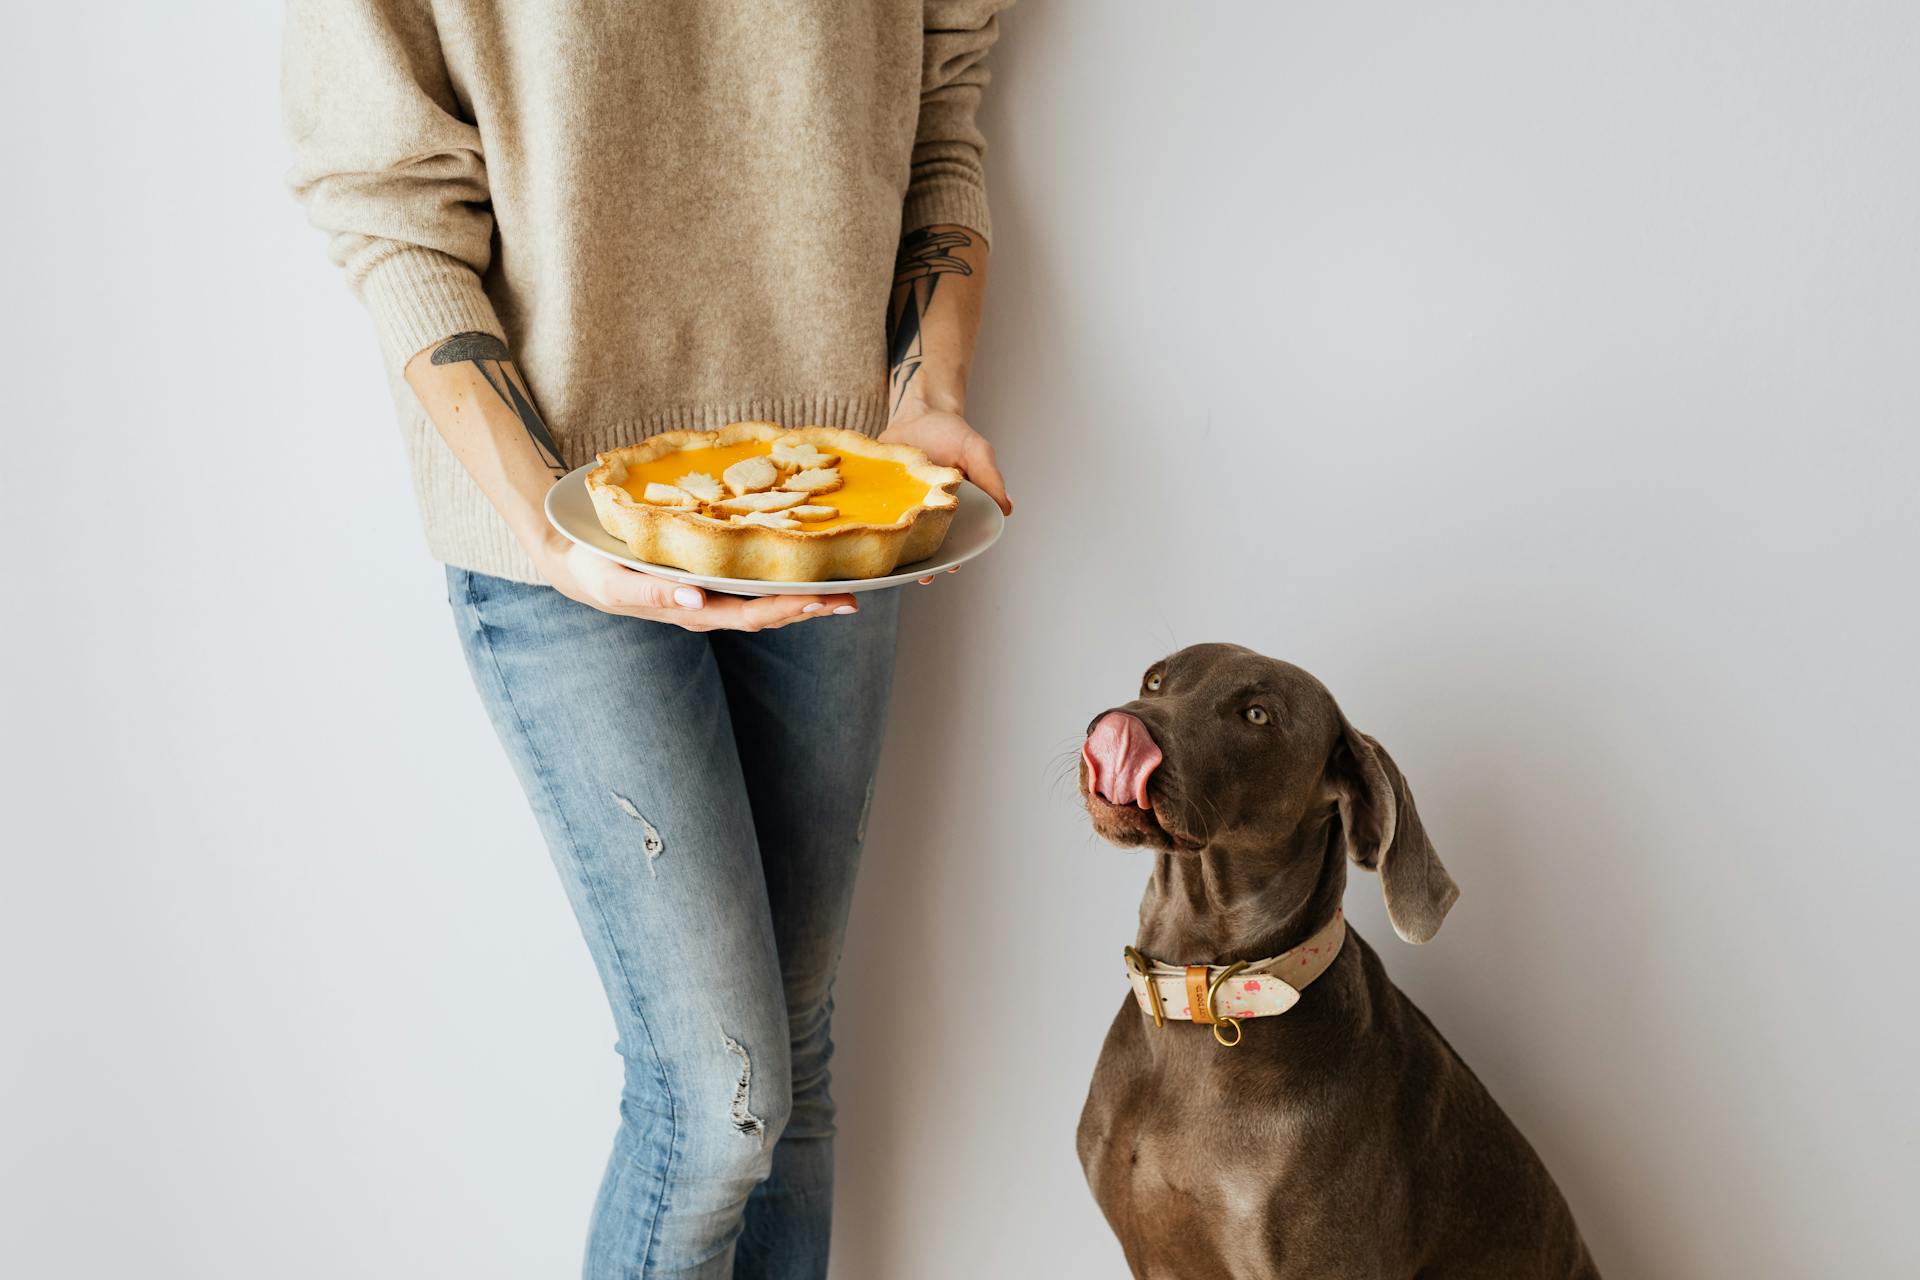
(947, 202)
(420, 296)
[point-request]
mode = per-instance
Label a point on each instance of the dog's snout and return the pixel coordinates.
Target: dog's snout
(1121, 755)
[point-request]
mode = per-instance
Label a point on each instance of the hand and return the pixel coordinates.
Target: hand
(599, 583)
(950, 441)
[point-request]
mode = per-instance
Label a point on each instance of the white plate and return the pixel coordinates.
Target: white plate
(976, 526)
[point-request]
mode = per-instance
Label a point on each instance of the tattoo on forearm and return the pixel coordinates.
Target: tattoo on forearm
(925, 256)
(483, 349)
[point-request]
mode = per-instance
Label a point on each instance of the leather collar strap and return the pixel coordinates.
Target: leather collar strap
(1254, 989)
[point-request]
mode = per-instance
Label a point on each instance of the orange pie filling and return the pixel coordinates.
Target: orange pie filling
(801, 489)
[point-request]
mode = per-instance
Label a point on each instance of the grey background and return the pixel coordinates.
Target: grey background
(1541, 376)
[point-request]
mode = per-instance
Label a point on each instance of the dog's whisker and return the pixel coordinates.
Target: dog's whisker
(1062, 768)
(1213, 825)
(1206, 828)
(1168, 637)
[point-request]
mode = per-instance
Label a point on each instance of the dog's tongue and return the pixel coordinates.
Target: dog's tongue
(1120, 756)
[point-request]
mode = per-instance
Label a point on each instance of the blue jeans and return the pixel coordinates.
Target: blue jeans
(704, 797)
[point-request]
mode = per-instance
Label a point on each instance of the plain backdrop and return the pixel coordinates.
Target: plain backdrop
(1543, 377)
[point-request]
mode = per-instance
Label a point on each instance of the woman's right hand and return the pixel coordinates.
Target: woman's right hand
(599, 583)
(510, 454)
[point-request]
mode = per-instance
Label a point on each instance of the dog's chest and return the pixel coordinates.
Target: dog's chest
(1187, 1183)
(1213, 1163)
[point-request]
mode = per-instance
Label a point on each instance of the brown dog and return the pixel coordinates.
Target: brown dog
(1343, 1136)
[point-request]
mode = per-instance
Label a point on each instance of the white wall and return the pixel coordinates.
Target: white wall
(1542, 377)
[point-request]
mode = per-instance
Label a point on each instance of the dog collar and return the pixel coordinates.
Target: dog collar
(1223, 994)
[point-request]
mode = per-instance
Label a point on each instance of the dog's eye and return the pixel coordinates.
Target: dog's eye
(1152, 681)
(1256, 714)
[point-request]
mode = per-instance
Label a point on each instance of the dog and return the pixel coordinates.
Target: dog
(1324, 1128)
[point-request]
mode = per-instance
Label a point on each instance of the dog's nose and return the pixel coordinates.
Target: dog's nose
(1121, 755)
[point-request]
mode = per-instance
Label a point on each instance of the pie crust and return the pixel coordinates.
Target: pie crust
(754, 544)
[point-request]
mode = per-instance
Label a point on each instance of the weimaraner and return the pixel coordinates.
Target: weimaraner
(1244, 1130)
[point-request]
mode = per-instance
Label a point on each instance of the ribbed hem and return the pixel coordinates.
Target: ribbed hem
(463, 529)
(946, 201)
(419, 296)
(866, 414)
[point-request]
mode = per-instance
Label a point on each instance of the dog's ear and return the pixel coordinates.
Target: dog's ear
(1384, 834)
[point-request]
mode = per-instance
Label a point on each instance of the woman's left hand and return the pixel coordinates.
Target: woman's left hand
(950, 441)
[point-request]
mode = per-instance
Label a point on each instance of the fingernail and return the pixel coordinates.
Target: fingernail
(686, 597)
(810, 608)
(845, 608)
(926, 581)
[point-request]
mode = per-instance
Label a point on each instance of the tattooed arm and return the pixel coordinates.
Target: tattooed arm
(484, 355)
(939, 283)
(482, 408)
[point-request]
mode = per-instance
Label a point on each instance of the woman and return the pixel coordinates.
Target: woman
(643, 217)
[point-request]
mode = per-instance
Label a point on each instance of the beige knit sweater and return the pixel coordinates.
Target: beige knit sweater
(677, 213)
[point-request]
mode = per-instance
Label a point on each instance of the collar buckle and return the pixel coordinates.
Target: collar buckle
(1137, 963)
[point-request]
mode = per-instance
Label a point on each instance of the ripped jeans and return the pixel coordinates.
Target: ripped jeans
(704, 797)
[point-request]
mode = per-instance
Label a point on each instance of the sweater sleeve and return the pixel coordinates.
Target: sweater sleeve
(948, 182)
(388, 167)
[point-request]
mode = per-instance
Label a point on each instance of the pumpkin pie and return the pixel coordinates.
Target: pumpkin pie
(776, 504)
